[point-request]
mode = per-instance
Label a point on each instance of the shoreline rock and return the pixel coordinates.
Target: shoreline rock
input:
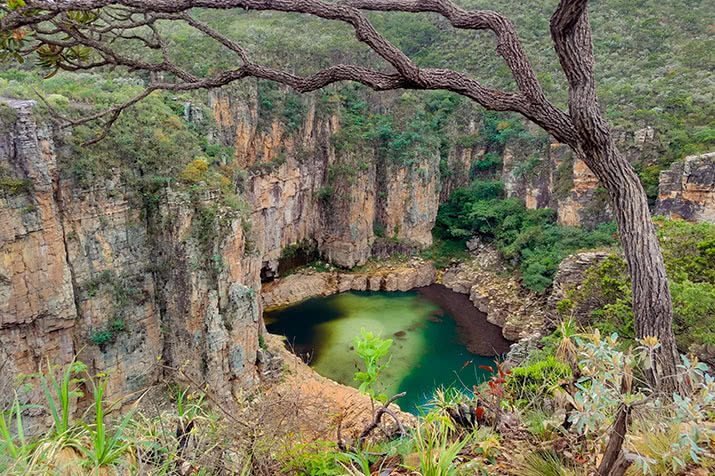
(306, 284)
(500, 296)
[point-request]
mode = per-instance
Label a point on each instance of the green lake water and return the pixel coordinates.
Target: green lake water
(428, 349)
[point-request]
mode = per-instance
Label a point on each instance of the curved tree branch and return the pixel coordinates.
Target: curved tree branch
(529, 101)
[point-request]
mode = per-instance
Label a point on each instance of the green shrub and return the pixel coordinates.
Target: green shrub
(374, 355)
(101, 337)
(490, 162)
(537, 380)
(529, 238)
(13, 186)
(8, 116)
(316, 458)
(604, 299)
(444, 252)
(324, 194)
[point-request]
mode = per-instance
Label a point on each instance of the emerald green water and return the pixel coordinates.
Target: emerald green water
(427, 351)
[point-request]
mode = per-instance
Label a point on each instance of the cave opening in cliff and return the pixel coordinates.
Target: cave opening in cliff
(297, 255)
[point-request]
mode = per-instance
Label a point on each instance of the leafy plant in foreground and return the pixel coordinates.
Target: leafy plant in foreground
(14, 449)
(106, 448)
(60, 393)
(374, 352)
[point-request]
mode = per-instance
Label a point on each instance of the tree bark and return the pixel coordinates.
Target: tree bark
(652, 305)
(614, 462)
(610, 464)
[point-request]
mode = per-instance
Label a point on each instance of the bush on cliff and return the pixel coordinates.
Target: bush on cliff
(530, 239)
(604, 299)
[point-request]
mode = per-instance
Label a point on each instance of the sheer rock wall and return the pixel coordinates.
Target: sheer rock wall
(90, 272)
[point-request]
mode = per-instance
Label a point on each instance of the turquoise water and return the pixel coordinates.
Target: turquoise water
(428, 351)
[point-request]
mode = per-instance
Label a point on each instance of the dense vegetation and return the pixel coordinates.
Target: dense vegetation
(528, 238)
(152, 147)
(604, 299)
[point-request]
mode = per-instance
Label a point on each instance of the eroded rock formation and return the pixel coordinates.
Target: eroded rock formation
(303, 188)
(553, 178)
(687, 189)
(97, 271)
(485, 279)
(306, 284)
(91, 272)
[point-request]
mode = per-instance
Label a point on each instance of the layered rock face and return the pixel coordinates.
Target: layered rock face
(554, 178)
(687, 189)
(37, 300)
(300, 286)
(96, 272)
(125, 283)
(303, 188)
(485, 280)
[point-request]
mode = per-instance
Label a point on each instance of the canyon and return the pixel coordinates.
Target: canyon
(132, 288)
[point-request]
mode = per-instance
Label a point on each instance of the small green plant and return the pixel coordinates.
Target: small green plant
(60, 393)
(106, 448)
(324, 194)
(188, 404)
(374, 353)
(102, 337)
(359, 463)
(316, 458)
(533, 382)
(14, 448)
(546, 463)
(12, 186)
(439, 453)
(262, 342)
(108, 334)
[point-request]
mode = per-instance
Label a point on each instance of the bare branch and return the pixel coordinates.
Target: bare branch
(529, 100)
(222, 39)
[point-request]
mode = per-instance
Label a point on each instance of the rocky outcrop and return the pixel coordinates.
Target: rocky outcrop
(37, 306)
(208, 293)
(302, 188)
(687, 189)
(554, 178)
(306, 284)
(570, 277)
(106, 247)
(121, 275)
(486, 280)
(127, 286)
(142, 281)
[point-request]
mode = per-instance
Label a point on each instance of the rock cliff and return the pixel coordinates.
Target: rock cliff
(142, 282)
(484, 278)
(687, 189)
(97, 272)
(303, 188)
(551, 177)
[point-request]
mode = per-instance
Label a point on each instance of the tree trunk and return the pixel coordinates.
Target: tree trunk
(652, 306)
(613, 462)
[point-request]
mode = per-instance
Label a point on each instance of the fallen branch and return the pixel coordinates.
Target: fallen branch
(377, 418)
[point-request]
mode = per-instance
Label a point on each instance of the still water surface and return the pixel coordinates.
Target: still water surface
(429, 347)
